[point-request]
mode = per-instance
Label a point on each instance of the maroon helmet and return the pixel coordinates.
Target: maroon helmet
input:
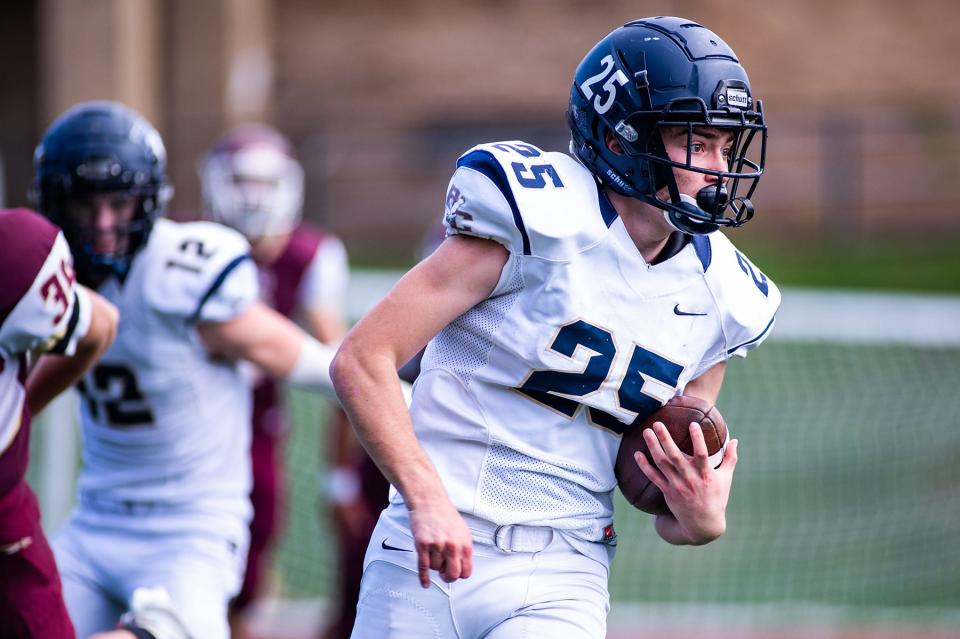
(253, 182)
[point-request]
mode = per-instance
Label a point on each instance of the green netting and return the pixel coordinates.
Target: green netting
(847, 492)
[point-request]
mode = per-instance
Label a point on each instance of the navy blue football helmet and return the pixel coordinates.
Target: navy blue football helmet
(668, 72)
(95, 148)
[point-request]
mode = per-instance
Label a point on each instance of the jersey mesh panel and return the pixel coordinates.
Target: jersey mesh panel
(513, 482)
(463, 346)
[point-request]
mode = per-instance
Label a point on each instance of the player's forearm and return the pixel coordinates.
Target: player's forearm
(370, 392)
(56, 373)
(326, 324)
(274, 344)
(703, 532)
(296, 358)
(708, 385)
(311, 370)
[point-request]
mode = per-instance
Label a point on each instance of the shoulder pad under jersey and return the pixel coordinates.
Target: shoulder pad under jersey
(41, 308)
(748, 300)
(532, 201)
(201, 271)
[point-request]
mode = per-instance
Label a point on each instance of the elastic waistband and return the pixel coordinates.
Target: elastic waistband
(519, 537)
(123, 506)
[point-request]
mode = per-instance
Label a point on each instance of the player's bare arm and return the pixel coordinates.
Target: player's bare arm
(270, 341)
(708, 385)
(326, 324)
(55, 373)
(459, 275)
(696, 492)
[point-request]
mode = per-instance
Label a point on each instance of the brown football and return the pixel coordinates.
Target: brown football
(676, 415)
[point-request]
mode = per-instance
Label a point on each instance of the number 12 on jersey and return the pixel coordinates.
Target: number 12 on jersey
(115, 397)
(556, 389)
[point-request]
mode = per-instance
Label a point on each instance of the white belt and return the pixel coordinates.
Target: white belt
(509, 537)
(123, 506)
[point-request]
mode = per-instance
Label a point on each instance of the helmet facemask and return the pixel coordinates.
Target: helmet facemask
(94, 262)
(724, 202)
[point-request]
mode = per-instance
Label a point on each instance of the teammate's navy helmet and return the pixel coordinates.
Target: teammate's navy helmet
(101, 147)
(667, 72)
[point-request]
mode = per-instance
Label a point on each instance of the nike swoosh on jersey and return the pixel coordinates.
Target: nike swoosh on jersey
(386, 546)
(677, 311)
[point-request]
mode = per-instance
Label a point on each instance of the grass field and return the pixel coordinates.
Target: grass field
(931, 266)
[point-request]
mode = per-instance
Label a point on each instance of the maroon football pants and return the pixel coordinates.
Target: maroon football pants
(268, 498)
(31, 596)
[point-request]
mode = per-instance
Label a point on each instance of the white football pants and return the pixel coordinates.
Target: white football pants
(555, 592)
(102, 561)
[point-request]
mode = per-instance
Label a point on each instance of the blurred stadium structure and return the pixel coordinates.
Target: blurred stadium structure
(845, 508)
(380, 98)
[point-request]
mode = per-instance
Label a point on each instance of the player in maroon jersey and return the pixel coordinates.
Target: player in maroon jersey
(42, 311)
(253, 183)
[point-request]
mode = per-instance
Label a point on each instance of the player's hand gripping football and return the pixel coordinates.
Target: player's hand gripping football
(696, 493)
(442, 540)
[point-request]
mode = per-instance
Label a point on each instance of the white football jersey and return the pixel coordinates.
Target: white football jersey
(522, 400)
(164, 422)
(325, 282)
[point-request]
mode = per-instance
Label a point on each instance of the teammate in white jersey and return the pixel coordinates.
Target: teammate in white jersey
(163, 493)
(572, 297)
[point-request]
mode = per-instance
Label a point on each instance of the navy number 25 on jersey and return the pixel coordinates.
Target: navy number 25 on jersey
(556, 389)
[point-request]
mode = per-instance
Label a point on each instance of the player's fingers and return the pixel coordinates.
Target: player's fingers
(650, 470)
(423, 565)
(730, 455)
(458, 561)
(701, 457)
(451, 568)
(670, 448)
(653, 445)
(658, 455)
(466, 562)
(436, 558)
